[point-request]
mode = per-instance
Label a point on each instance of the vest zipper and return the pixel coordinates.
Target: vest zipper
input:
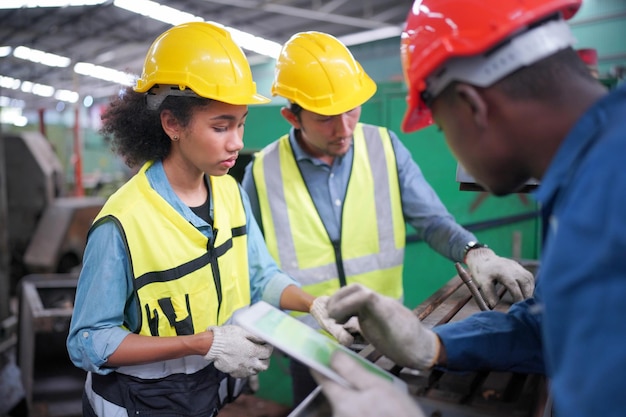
(339, 260)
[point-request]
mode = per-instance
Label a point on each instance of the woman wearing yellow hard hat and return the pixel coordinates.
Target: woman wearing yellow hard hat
(176, 251)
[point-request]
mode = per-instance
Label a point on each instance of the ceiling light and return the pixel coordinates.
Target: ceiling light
(41, 57)
(371, 35)
(11, 102)
(255, 43)
(37, 89)
(104, 73)
(29, 4)
(157, 11)
(66, 95)
(5, 51)
(10, 83)
(12, 115)
(173, 16)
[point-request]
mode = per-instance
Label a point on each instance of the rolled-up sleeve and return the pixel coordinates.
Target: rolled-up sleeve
(267, 281)
(423, 209)
(103, 289)
(493, 340)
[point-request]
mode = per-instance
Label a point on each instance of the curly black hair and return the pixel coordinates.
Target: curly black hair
(135, 131)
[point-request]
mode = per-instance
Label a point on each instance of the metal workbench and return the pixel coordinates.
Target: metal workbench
(455, 394)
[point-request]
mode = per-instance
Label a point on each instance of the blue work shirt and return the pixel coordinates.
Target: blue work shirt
(105, 297)
(421, 206)
(574, 329)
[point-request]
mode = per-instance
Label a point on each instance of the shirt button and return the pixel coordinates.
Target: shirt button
(332, 175)
(337, 202)
(85, 334)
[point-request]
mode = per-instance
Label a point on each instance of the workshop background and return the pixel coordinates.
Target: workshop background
(56, 170)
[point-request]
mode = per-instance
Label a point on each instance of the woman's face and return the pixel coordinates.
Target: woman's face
(212, 140)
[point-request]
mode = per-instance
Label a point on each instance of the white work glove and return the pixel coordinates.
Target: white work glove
(487, 268)
(237, 352)
(352, 325)
(392, 328)
(371, 395)
(319, 311)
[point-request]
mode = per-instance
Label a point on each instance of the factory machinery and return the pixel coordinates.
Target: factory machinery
(43, 235)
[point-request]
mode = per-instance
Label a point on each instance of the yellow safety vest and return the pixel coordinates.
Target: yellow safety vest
(183, 282)
(373, 231)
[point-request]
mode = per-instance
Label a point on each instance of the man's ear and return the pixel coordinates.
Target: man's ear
(170, 124)
(290, 117)
(476, 105)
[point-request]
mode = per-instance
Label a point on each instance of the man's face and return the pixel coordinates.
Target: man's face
(326, 136)
(481, 140)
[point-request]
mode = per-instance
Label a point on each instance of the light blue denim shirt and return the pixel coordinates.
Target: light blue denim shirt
(421, 206)
(105, 298)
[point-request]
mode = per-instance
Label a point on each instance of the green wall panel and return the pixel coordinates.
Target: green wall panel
(263, 125)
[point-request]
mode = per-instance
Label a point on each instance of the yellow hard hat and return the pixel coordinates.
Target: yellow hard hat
(203, 57)
(316, 71)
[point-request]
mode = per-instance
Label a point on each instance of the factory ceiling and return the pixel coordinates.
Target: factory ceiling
(110, 35)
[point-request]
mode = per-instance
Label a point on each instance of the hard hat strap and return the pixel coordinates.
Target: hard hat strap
(484, 70)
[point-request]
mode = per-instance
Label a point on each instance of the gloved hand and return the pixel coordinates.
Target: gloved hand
(392, 328)
(352, 325)
(487, 268)
(237, 352)
(372, 396)
(319, 311)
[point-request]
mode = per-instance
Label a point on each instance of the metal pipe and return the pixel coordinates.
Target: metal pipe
(467, 279)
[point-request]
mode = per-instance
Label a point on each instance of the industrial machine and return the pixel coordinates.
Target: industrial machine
(45, 232)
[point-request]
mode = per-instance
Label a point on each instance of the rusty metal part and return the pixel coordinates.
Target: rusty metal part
(467, 279)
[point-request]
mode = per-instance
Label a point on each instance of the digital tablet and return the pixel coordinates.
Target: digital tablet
(302, 342)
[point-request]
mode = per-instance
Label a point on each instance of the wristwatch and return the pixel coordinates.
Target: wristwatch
(472, 245)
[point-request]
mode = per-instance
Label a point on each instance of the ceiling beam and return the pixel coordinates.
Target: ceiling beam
(304, 13)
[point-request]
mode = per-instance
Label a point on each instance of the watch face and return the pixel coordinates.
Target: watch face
(473, 245)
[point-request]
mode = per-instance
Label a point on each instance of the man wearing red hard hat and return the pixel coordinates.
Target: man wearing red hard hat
(514, 101)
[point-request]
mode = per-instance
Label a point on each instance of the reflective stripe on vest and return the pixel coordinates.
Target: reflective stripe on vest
(183, 282)
(372, 230)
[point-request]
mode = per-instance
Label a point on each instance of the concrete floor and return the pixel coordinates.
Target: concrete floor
(246, 405)
(250, 406)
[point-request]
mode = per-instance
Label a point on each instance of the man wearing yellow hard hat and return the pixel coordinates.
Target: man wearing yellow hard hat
(152, 320)
(333, 194)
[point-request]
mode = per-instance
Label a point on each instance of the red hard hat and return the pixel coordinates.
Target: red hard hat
(437, 30)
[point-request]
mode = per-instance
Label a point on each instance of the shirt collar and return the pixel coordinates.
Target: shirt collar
(159, 182)
(572, 150)
(301, 155)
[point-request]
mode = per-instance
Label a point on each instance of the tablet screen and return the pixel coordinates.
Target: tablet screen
(301, 341)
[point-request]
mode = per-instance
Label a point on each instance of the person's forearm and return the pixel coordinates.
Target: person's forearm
(137, 349)
(494, 340)
(294, 298)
